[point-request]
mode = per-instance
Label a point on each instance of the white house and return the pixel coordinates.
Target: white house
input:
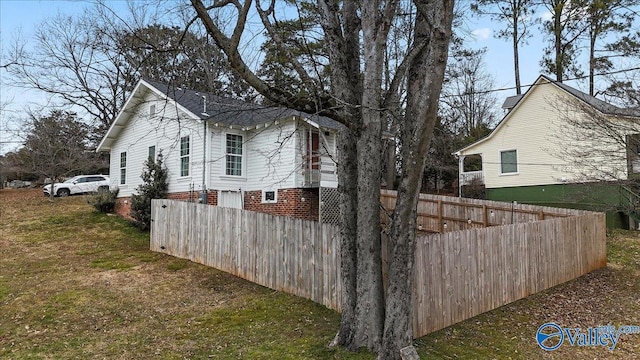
(546, 142)
(222, 151)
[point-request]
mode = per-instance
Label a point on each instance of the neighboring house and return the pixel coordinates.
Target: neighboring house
(224, 152)
(538, 155)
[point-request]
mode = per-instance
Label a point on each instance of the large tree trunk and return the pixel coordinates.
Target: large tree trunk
(347, 179)
(425, 77)
(355, 35)
(516, 59)
(592, 62)
(343, 45)
(557, 29)
(370, 307)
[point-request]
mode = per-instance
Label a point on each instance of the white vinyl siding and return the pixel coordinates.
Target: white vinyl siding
(267, 159)
(140, 133)
(533, 128)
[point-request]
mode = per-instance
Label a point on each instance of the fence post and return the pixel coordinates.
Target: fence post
(440, 216)
(485, 218)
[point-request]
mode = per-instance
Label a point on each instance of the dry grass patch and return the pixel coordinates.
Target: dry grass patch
(75, 284)
(79, 284)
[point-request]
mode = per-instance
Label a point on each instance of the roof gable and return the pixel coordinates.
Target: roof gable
(516, 101)
(209, 107)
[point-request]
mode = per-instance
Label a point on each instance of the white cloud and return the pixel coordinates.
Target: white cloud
(546, 16)
(482, 33)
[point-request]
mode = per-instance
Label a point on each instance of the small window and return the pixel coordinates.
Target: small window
(269, 196)
(152, 110)
(152, 153)
(184, 156)
(123, 168)
(234, 155)
(509, 162)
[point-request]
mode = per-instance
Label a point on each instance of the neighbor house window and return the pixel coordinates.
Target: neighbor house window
(152, 153)
(508, 162)
(152, 110)
(234, 155)
(123, 168)
(184, 156)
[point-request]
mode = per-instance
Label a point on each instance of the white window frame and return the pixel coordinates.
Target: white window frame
(241, 156)
(186, 157)
(123, 168)
(517, 163)
(264, 197)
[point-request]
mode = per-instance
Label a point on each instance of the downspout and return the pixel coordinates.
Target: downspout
(203, 192)
(460, 170)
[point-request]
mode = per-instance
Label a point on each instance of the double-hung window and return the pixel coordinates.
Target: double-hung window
(184, 156)
(508, 162)
(234, 155)
(123, 168)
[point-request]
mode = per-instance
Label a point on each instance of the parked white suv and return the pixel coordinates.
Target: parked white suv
(80, 184)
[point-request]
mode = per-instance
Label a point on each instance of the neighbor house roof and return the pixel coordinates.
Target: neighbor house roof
(600, 105)
(216, 109)
(515, 101)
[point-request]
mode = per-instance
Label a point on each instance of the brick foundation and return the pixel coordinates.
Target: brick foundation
(123, 207)
(298, 203)
(212, 196)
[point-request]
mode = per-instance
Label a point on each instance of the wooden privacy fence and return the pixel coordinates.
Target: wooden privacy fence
(458, 274)
(442, 213)
(287, 254)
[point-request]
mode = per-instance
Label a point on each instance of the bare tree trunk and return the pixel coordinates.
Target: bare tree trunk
(425, 76)
(391, 165)
(557, 21)
(370, 313)
(516, 59)
(348, 177)
(51, 193)
(355, 37)
(592, 63)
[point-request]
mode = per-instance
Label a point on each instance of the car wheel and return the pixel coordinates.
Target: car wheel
(64, 192)
(103, 188)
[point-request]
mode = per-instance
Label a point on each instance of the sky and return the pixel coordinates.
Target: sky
(25, 15)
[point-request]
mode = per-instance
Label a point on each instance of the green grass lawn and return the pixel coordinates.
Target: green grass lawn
(78, 284)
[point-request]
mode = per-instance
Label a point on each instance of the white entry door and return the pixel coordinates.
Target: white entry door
(230, 199)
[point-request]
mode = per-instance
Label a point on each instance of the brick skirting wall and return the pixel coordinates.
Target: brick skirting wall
(212, 196)
(123, 207)
(299, 203)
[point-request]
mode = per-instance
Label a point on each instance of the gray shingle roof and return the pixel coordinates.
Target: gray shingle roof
(234, 112)
(511, 101)
(597, 104)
